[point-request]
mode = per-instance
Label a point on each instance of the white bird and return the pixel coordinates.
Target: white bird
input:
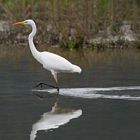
(50, 61)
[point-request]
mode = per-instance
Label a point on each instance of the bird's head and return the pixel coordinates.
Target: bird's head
(25, 22)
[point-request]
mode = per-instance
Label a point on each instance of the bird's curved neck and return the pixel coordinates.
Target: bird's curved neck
(34, 51)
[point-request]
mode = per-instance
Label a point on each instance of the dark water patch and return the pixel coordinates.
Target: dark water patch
(101, 118)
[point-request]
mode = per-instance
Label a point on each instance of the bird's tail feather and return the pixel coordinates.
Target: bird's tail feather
(76, 69)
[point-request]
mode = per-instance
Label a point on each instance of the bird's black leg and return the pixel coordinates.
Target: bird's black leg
(56, 80)
(46, 84)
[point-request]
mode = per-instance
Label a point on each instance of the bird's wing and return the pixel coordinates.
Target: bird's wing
(55, 62)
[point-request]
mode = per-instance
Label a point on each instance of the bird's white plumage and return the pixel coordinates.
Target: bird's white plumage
(50, 61)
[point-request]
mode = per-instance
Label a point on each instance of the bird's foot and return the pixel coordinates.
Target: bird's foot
(48, 85)
(39, 85)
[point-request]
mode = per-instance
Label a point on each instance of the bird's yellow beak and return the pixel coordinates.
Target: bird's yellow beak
(18, 23)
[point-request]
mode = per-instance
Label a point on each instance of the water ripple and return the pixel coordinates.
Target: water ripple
(94, 93)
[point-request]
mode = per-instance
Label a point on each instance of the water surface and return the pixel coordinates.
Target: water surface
(102, 103)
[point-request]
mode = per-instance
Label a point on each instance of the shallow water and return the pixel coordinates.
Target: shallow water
(102, 103)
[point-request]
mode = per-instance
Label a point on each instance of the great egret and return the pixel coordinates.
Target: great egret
(50, 61)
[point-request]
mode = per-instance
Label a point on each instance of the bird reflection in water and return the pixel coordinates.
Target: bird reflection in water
(54, 119)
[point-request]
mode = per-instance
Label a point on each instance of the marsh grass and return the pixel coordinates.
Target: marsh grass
(59, 20)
